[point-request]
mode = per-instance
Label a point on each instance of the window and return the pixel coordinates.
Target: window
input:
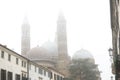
(9, 75)
(22, 63)
(17, 77)
(55, 77)
(35, 68)
(2, 54)
(40, 78)
(30, 67)
(40, 71)
(29, 78)
(61, 78)
(44, 73)
(24, 76)
(50, 75)
(17, 61)
(9, 57)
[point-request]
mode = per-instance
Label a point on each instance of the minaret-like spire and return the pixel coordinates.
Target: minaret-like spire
(61, 36)
(25, 37)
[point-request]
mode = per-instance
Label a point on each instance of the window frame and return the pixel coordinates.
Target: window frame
(2, 54)
(17, 61)
(9, 57)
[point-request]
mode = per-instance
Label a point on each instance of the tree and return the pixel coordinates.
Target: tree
(83, 69)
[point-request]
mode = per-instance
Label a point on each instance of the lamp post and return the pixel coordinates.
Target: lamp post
(116, 62)
(111, 77)
(111, 54)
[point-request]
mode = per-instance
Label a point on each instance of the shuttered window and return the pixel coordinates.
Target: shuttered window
(3, 74)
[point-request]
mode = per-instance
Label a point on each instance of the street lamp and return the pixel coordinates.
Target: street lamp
(111, 77)
(113, 62)
(110, 52)
(116, 63)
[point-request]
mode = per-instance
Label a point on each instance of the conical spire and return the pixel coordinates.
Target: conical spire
(61, 17)
(25, 20)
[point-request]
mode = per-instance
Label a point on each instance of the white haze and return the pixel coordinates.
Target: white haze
(88, 25)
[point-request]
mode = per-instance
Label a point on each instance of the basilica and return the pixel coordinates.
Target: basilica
(53, 55)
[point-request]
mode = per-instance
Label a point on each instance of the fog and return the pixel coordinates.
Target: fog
(88, 26)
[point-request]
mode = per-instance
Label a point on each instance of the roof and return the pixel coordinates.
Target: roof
(82, 54)
(23, 57)
(48, 51)
(13, 51)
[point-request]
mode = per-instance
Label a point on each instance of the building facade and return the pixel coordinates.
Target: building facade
(12, 65)
(115, 20)
(16, 67)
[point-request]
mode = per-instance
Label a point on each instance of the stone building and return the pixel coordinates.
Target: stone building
(13, 66)
(17, 67)
(50, 54)
(115, 20)
(53, 55)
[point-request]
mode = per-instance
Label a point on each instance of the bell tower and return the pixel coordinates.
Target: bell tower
(25, 37)
(63, 59)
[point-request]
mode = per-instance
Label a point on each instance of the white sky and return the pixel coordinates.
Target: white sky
(88, 25)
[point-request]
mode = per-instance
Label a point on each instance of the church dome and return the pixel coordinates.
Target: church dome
(83, 54)
(38, 53)
(51, 47)
(47, 52)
